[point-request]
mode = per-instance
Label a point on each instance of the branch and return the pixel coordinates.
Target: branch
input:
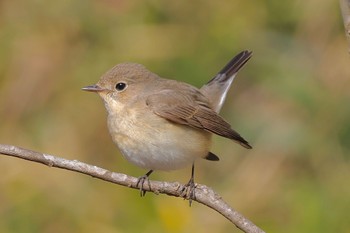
(203, 194)
(345, 10)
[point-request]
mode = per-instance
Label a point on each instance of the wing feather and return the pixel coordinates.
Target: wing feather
(192, 110)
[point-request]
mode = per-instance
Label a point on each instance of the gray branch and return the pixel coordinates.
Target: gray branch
(203, 194)
(345, 10)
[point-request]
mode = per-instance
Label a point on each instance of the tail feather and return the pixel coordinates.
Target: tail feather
(216, 89)
(236, 63)
(212, 157)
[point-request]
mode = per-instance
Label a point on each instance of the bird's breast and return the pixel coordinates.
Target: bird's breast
(152, 142)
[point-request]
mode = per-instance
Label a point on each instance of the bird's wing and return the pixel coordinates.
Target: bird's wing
(192, 109)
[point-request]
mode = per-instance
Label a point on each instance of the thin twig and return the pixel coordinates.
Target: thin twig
(345, 10)
(203, 194)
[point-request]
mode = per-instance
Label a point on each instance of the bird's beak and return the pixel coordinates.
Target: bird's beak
(93, 88)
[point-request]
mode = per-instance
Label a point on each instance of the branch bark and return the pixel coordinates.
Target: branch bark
(345, 10)
(203, 194)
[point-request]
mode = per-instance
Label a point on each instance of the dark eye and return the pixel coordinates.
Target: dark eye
(120, 86)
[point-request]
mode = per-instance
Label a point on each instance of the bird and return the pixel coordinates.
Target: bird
(164, 124)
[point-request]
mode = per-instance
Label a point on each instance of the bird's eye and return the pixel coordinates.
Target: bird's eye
(120, 86)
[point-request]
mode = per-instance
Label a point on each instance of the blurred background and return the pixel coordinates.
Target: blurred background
(291, 102)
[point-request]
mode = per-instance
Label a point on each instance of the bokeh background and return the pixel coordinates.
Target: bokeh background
(291, 102)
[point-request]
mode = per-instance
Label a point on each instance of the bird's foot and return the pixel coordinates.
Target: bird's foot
(141, 181)
(188, 191)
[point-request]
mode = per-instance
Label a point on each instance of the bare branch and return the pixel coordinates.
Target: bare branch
(345, 10)
(204, 194)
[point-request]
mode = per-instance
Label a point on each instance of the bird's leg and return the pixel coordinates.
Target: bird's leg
(188, 190)
(141, 180)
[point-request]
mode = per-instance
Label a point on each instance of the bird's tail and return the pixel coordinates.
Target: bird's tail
(216, 89)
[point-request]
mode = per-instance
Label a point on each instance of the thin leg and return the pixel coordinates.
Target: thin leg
(141, 180)
(189, 188)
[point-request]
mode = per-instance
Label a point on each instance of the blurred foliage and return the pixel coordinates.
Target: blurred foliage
(291, 101)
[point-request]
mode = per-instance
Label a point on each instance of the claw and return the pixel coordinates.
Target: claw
(141, 180)
(188, 191)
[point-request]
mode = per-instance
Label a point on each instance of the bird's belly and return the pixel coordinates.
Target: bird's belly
(169, 147)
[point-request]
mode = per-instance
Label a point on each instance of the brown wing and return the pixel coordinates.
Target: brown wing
(191, 108)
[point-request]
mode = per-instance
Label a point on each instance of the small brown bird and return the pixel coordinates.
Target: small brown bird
(162, 124)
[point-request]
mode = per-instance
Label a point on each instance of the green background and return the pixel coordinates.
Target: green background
(291, 102)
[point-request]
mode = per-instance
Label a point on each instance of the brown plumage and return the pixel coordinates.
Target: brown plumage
(162, 124)
(192, 110)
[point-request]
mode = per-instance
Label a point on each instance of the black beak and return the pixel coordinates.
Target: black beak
(93, 88)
